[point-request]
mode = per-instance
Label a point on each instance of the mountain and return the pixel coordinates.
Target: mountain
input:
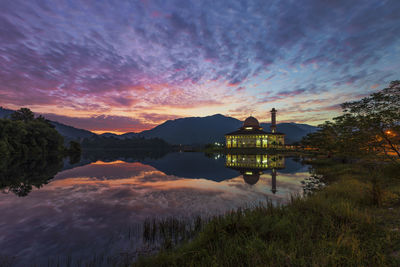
(187, 131)
(5, 113)
(69, 132)
(293, 131)
(194, 130)
(129, 135)
(210, 129)
(111, 135)
(121, 136)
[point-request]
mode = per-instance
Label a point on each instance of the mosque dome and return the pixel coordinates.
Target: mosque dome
(251, 122)
(252, 178)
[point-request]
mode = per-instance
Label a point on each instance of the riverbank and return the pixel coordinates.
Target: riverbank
(354, 221)
(252, 151)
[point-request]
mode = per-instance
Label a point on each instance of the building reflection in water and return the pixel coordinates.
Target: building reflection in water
(252, 166)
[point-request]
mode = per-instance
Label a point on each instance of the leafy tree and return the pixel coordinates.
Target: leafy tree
(23, 114)
(74, 152)
(378, 117)
(31, 152)
(74, 148)
(368, 127)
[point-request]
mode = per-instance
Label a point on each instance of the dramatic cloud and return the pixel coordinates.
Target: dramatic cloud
(103, 59)
(102, 122)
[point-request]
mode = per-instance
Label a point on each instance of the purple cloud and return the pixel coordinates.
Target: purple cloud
(106, 55)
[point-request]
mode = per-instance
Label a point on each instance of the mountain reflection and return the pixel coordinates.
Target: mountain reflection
(87, 205)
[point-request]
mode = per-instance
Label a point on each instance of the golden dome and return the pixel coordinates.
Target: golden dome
(251, 122)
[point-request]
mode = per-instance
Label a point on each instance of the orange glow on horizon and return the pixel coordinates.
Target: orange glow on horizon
(113, 132)
(99, 162)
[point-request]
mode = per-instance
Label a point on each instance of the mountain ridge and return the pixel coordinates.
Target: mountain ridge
(186, 131)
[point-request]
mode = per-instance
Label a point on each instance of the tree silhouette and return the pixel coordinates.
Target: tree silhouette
(368, 127)
(23, 114)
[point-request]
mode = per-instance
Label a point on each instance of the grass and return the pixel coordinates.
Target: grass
(354, 221)
(169, 232)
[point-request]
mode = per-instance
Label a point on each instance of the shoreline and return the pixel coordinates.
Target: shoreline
(352, 221)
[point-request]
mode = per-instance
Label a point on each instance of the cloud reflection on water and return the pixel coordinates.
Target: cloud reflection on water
(82, 208)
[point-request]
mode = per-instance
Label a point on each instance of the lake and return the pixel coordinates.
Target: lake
(94, 210)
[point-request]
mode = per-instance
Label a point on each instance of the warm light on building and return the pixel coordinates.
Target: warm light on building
(251, 135)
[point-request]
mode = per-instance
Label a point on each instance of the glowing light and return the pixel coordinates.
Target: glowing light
(391, 133)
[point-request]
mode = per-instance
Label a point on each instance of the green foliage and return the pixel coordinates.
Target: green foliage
(75, 147)
(20, 176)
(28, 147)
(369, 127)
(29, 139)
(23, 114)
(337, 226)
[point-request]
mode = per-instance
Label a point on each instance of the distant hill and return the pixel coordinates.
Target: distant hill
(72, 133)
(210, 129)
(110, 135)
(194, 130)
(293, 131)
(69, 132)
(187, 131)
(5, 113)
(121, 136)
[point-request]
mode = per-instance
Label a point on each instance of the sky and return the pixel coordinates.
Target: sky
(123, 66)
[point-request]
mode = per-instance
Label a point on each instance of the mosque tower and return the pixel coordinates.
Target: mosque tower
(273, 120)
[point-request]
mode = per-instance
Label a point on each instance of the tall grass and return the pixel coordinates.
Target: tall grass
(171, 231)
(344, 224)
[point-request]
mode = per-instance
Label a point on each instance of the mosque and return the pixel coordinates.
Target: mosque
(251, 167)
(252, 135)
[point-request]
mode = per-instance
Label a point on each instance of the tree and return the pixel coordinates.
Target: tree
(368, 127)
(25, 137)
(74, 152)
(74, 148)
(23, 114)
(378, 117)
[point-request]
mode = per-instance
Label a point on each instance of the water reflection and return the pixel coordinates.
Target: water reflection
(21, 176)
(258, 162)
(251, 167)
(88, 208)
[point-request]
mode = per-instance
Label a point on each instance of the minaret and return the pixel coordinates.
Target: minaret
(273, 120)
(273, 181)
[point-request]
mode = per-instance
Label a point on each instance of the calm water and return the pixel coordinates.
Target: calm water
(97, 207)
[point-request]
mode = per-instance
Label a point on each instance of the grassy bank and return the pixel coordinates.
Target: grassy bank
(354, 221)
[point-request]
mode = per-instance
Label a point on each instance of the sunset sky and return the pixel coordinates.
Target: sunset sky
(121, 66)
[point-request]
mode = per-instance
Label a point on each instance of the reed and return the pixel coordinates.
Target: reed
(353, 221)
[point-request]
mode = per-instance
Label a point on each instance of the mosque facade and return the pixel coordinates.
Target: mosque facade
(252, 135)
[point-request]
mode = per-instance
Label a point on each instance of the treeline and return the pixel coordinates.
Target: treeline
(31, 152)
(112, 143)
(368, 128)
(23, 136)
